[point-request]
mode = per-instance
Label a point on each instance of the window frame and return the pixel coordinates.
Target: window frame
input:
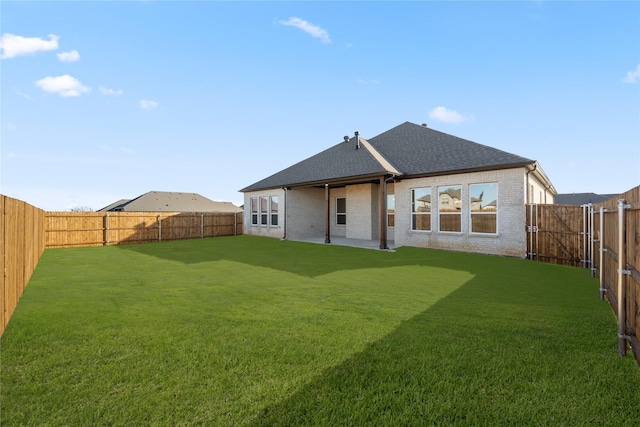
(273, 213)
(442, 190)
(415, 213)
(253, 205)
(341, 214)
(264, 210)
(391, 213)
(494, 213)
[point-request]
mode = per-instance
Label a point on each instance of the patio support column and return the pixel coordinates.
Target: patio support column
(327, 219)
(383, 213)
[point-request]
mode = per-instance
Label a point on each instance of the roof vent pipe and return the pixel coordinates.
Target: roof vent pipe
(346, 138)
(357, 140)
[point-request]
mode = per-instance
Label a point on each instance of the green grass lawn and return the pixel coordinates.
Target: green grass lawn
(256, 331)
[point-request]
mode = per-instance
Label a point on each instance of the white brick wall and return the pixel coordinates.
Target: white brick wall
(362, 212)
(510, 239)
(305, 213)
(264, 230)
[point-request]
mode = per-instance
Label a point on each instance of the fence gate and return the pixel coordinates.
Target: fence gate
(557, 234)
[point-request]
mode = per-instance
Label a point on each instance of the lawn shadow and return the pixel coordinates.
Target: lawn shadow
(302, 258)
(480, 356)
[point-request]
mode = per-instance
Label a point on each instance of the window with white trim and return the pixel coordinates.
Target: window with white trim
(483, 199)
(273, 210)
(421, 209)
(391, 210)
(341, 211)
(450, 208)
(264, 210)
(254, 211)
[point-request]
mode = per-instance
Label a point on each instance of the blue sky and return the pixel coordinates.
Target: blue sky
(102, 101)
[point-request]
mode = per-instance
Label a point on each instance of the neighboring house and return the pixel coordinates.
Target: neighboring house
(382, 189)
(165, 201)
(581, 198)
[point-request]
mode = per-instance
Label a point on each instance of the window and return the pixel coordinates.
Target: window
(421, 209)
(341, 211)
(273, 204)
(483, 199)
(254, 211)
(449, 208)
(391, 210)
(264, 201)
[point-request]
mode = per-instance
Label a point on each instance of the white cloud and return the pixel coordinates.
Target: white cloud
(113, 92)
(13, 45)
(72, 56)
(312, 30)
(64, 86)
(448, 116)
(632, 76)
(145, 104)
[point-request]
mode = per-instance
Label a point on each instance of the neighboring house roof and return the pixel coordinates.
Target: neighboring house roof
(407, 150)
(115, 205)
(165, 201)
(581, 198)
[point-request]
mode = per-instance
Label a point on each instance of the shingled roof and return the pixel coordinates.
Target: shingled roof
(407, 150)
(166, 201)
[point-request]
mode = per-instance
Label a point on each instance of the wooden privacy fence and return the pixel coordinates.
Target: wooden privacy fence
(21, 245)
(554, 234)
(25, 231)
(75, 229)
(604, 238)
(613, 233)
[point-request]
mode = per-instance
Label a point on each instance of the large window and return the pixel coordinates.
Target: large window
(391, 210)
(273, 208)
(483, 199)
(264, 215)
(449, 208)
(341, 211)
(421, 209)
(264, 210)
(254, 211)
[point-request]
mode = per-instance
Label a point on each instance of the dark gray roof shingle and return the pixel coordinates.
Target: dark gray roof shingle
(412, 149)
(340, 161)
(419, 150)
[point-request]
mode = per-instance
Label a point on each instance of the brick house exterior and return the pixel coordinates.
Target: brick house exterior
(411, 185)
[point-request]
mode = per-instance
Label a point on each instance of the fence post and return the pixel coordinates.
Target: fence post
(591, 240)
(622, 303)
(602, 250)
(202, 226)
(106, 229)
(532, 228)
(159, 228)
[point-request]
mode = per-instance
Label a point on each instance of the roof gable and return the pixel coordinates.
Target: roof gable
(343, 160)
(419, 150)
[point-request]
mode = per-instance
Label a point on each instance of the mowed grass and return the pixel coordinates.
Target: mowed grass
(256, 331)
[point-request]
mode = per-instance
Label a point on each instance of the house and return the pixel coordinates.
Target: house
(582, 198)
(382, 189)
(165, 201)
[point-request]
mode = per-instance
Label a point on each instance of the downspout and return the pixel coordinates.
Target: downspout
(535, 166)
(383, 213)
(284, 225)
(327, 221)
